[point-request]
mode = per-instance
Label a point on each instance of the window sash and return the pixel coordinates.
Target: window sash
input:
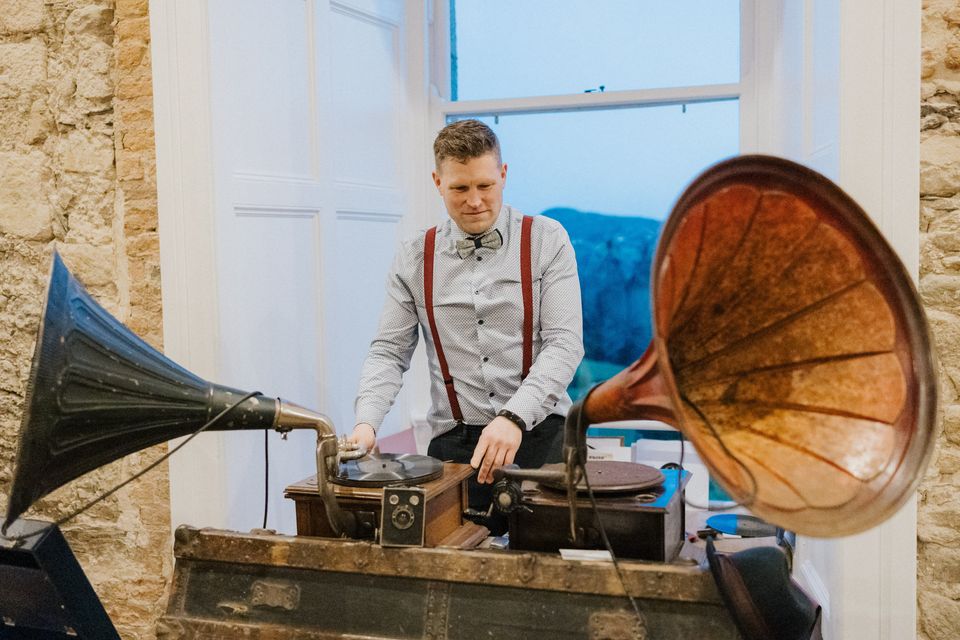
(589, 101)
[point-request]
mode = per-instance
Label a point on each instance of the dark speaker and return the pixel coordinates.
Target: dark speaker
(403, 517)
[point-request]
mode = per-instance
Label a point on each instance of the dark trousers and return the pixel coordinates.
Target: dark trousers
(541, 445)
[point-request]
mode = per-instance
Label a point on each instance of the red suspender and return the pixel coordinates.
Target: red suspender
(428, 246)
(526, 283)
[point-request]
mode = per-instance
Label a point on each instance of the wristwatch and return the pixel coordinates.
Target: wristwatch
(512, 417)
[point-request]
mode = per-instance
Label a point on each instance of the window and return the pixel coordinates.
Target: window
(605, 111)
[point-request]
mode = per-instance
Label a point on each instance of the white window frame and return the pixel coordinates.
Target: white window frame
(442, 107)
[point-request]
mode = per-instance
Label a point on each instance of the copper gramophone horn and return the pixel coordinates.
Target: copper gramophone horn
(789, 347)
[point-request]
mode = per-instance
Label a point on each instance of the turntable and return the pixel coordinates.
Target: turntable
(640, 507)
(359, 488)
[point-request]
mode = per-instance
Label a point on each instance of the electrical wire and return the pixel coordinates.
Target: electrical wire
(70, 516)
(266, 474)
(685, 501)
(603, 532)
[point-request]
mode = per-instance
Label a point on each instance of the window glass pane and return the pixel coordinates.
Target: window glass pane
(610, 177)
(515, 48)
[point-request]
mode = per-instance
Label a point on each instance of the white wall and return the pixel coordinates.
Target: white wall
(288, 151)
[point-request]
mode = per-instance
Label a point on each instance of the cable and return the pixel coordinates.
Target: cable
(104, 496)
(603, 532)
(683, 494)
(266, 474)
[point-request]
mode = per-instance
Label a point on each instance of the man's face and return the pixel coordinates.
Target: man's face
(472, 191)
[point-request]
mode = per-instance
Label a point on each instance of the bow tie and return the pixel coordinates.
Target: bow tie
(490, 240)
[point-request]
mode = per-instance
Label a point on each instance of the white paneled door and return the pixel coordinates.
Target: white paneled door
(308, 185)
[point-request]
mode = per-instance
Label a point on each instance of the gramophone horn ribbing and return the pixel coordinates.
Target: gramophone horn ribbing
(789, 347)
(97, 392)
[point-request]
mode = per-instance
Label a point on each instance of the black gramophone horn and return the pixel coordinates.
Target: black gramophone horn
(97, 392)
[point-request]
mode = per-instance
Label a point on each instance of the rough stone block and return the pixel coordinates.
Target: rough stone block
(144, 245)
(941, 290)
(23, 67)
(94, 64)
(134, 85)
(129, 166)
(138, 139)
(40, 123)
(139, 190)
(133, 29)
(940, 165)
(86, 152)
(25, 211)
(135, 113)
(131, 8)
(140, 216)
(947, 239)
(93, 266)
(951, 423)
(945, 327)
(943, 562)
(93, 19)
(939, 616)
(130, 53)
(22, 16)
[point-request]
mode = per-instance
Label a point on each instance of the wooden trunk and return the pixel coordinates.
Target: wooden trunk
(269, 587)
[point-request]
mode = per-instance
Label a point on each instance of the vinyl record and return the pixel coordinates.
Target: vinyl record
(389, 468)
(609, 476)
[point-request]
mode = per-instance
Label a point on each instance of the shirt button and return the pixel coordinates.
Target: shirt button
(479, 321)
(479, 258)
(491, 394)
(485, 358)
(477, 292)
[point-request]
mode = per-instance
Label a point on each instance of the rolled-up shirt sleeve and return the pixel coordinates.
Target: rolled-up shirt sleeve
(391, 349)
(561, 332)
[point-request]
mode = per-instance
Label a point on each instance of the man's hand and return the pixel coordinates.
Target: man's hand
(364, 436)
(497, 446)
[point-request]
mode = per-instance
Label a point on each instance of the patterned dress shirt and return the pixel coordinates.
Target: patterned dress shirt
(478, 307)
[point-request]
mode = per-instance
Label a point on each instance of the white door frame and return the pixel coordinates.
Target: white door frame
(185, 200)
(866, 583)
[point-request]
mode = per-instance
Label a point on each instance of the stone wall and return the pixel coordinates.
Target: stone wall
(77, 172)
(939, 507)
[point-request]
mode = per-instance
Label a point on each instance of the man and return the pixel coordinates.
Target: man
(463, 283)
